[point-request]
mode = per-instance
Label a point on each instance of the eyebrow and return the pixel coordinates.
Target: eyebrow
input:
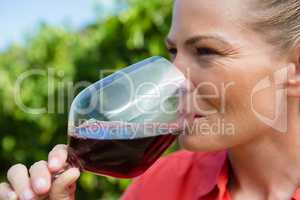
(198, 38)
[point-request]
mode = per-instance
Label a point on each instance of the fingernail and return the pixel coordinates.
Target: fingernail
(27, 195)
(54, 163)
(12, 196)
(40, 184)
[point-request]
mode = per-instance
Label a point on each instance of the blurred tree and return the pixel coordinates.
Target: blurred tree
(55, 58)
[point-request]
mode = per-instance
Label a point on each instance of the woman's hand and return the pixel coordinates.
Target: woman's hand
(36, 183)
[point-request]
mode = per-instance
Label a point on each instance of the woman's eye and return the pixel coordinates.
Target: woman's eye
(172, 51)
(206, 51)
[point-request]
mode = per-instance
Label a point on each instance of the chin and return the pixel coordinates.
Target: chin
(199, 143)
(207, 134)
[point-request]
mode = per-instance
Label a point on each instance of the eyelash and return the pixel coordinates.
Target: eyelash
(202, 51)
(205, 51)
(172, 51)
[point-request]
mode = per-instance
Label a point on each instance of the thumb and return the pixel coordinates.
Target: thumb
(63, 186)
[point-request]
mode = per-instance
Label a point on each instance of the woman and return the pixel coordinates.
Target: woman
(247, 54)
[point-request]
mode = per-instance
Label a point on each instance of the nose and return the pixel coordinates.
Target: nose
(180, 64)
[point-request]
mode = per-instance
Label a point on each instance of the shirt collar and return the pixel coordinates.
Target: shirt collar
(223, 179)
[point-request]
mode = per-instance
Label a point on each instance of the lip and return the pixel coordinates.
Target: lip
(198, 116)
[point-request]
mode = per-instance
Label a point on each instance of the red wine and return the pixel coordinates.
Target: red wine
(121, 158)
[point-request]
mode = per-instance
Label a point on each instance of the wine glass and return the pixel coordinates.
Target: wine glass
(120, 125)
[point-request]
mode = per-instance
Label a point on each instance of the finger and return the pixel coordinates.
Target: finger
(40, 177)
(18, 178)
(63, 187)
(7, 193)
(57, 158)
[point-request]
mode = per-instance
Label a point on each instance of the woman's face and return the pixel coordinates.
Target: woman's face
(225, 61)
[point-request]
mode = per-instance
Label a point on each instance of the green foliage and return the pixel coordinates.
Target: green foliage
(66, 57)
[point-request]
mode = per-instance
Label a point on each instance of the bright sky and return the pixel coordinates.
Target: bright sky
(18, 17)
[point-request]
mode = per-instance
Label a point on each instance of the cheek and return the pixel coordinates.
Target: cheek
(210, 85)
(264, 102)
(241, 97)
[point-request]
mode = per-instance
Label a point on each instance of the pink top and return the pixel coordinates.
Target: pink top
(185, 175)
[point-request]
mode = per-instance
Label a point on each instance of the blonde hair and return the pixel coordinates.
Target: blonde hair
(278, 21)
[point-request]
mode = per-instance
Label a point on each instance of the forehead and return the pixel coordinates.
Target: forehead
(218, 17)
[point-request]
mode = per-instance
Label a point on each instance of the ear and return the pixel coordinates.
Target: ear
(293, 86)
